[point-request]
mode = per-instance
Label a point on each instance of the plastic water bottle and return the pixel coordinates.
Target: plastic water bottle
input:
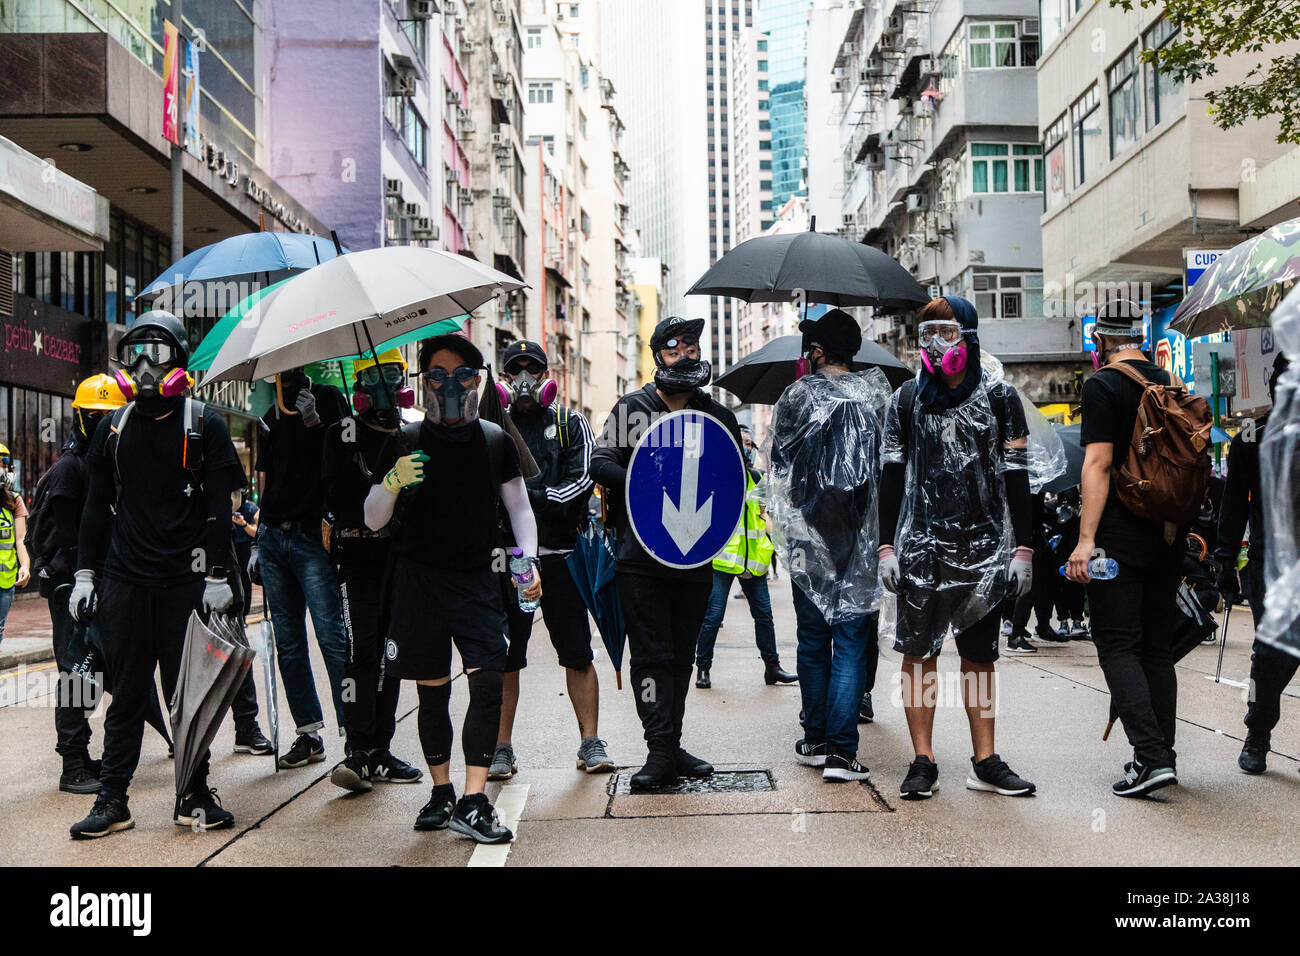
(1100, 569)
(521, 569)
(1055, 542)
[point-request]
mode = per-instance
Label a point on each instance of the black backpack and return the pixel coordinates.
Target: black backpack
(39, 539)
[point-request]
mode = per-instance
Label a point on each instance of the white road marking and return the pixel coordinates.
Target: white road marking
(509, 807)
(1224, 680)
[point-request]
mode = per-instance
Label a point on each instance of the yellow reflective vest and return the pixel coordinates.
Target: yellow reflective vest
(750, 549)
(8, 550)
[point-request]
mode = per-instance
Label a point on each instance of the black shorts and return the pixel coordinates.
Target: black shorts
(923, 623)
(431, 608)
(563, 613)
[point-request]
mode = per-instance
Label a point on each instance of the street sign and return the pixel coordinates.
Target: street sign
(1196, 261)
(685, 489)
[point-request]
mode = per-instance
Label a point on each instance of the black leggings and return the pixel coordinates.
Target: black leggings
(482, 717)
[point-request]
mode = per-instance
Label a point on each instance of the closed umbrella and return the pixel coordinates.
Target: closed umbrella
(1073, 477)
(827, 268)
(351, 303)
(591, 562)
(760, 377)
(1244, 285)
(210, 281)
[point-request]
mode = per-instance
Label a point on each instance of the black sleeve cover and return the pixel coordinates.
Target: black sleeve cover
(891, 499)
(1018, 500)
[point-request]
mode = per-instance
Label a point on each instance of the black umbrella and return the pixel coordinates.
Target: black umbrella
(760, 377)
(826, 268)
(1073, 459)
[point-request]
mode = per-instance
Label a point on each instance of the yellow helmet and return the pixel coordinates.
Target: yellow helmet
(4, 449)
(388, 357)
(99, 393)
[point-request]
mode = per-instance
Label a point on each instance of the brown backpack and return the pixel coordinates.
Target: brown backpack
(1167, 472)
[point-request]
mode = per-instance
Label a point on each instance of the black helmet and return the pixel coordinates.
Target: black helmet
(158, 325)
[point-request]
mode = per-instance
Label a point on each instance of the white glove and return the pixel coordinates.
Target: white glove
(889, 570)
(82, 603)
(254, 567)
(218, 598)
(1020, 573)
(306, 406)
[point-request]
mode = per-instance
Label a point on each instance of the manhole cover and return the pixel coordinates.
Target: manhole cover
(720, 781)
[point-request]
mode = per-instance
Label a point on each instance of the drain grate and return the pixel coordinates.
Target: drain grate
(720, 781)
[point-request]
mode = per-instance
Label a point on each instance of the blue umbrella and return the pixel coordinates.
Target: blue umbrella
(210, 281)
(592, 565)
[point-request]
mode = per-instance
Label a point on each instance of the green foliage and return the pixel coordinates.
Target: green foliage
(1214, 31)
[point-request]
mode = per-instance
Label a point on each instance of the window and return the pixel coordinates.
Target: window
(1054, 155)
(1121, 81)
(762, 66)
(582, 124)
(764, 164)
(539, 92)
(762, 84)
(1001, 295)
(765, 184)
(992, 44)
(534, 37)
(416, 135)
(1164, 94)
(765, 124)
(1052, 16)
(762, 46)
(1006, 167)
(763, 104)
(1085, 125)
(764, 144)
(574, 10)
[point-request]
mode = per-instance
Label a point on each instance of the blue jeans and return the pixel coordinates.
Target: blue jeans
(297, 576)
(760, 607)
(6, 602)
(832, 667)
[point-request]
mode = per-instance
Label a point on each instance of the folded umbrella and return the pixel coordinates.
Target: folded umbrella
(351, 303)
(591, 562)
(209, 281)
(1244, 285)
(760, 377)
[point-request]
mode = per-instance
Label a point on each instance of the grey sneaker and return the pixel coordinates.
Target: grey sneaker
(592, 756)
(503, 763)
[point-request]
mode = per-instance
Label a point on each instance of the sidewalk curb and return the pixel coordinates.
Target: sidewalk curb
(21, 658)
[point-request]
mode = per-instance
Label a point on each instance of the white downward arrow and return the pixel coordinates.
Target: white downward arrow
(685, 524)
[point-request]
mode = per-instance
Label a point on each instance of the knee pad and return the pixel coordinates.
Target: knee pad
(434, 722)
(482, 717)
(485, 688)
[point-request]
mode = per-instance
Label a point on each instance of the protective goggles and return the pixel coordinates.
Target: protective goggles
(947, 333)
(371, 376)
(532, 368)
(681, 340)
(153, 351)
(437, 376)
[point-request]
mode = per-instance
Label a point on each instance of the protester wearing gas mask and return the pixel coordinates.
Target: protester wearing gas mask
(955, 534)
(664, 607)
(295, 572)
(156, 519)
(363, 560)
(437, 488)
(560, 441)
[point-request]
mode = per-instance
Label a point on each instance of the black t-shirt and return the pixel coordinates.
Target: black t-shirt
(447, 521)
(348, 471)
(161, 514)
(290, 454)
(243, 543)
(66, 484)
(1110, 407)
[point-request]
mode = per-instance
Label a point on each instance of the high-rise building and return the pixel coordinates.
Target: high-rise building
(824, 171)
(786, 24)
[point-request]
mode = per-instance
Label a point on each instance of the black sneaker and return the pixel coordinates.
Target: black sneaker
(202, 810)
(660, 770)
(353, 774)
(702, 678)
(1254, 753)
(866, 714)
(992, 775)
(80, 780)
(839, 767)
(436, 814)
(1139, 779)
(108, 815)
(1079, 631)
(306, 749)
(1018, 643)
(689, 765)
(252, 741)
(922, 779)
(475, 818)
(385, 768)
(810, 755)
(1049, 636)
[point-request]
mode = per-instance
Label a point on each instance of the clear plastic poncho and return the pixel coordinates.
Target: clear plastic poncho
(954, 540)
(1279, 470)
(824, 449)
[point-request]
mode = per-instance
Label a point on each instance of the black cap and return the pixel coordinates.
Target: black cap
(673, 327)
(1120, 317)
(462, 346)
(836, 332)
(524, 349)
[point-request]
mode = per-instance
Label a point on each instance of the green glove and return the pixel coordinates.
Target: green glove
(408, 471)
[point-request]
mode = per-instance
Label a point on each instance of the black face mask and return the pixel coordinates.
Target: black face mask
(685, 375)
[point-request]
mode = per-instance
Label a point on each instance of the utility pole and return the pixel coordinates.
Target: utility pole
(178, 149)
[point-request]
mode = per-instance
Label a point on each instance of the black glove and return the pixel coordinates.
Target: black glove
(1229, 583)
(254, 568)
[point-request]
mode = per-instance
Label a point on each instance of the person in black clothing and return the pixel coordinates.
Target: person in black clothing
(290, 560)
(560, 441)
(450, 472)
(362, 559)
(243, 532)
(1271, 669)
(1133, 614)
(663, 607)
(166, 465)
(955, 534)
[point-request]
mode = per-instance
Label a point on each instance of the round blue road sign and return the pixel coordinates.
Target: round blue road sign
(685, 489)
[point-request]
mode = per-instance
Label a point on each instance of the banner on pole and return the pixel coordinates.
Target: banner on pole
(192, 99)
(171, 83)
